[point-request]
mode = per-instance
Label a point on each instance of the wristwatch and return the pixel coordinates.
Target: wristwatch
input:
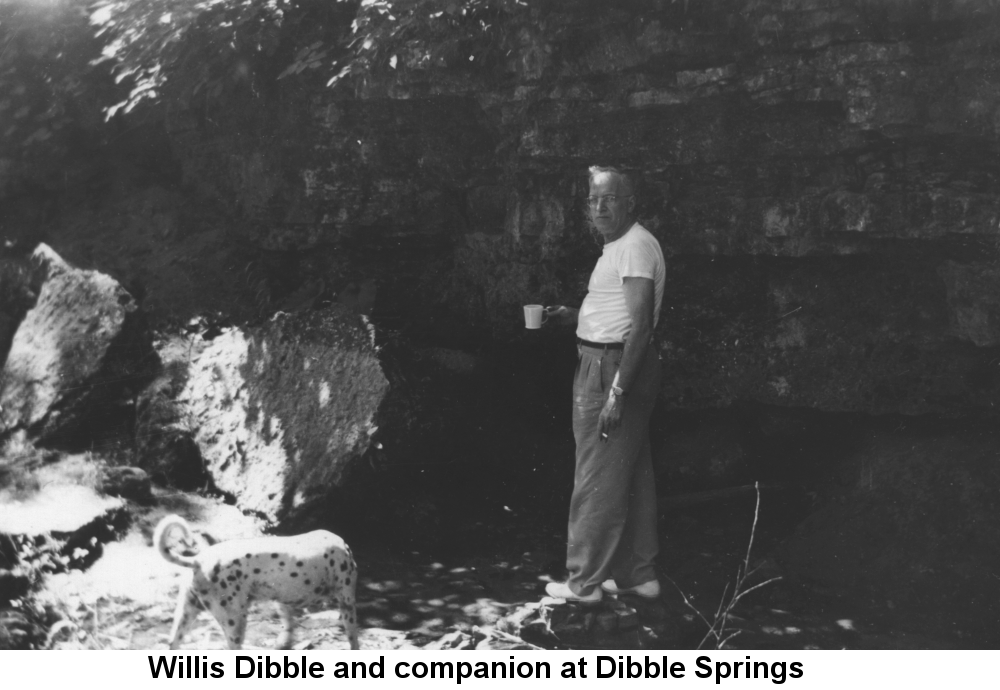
(617, 391)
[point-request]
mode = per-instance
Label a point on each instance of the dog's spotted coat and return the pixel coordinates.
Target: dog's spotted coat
(308, 569)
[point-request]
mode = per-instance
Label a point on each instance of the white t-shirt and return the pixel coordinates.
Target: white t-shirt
(603, 316)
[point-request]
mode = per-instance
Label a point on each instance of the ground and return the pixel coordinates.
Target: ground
(411, 597)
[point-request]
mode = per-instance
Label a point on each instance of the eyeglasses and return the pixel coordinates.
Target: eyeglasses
(608, 199)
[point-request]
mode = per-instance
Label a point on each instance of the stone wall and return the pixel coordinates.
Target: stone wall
(821, 174)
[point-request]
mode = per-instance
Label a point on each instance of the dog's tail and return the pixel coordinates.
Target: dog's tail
(163, 530)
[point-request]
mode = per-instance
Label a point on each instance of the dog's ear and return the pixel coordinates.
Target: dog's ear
(196, 542)
(189, 547)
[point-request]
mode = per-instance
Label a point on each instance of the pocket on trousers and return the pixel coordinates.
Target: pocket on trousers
(612, 362)
(589, 384)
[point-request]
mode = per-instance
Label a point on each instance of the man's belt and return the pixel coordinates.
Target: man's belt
(600, 346)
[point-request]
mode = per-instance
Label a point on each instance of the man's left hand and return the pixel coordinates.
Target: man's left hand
(611, 416)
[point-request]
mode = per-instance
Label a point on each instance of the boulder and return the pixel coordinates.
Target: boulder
(131, 483)
(80, 349)
(281, 411)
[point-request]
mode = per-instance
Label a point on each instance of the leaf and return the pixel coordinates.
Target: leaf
(113, 110)
(341, 74)
(40, 134)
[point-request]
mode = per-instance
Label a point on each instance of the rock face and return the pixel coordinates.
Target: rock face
(819, 173)
(279, 412)
(75, 353)
(164, 439)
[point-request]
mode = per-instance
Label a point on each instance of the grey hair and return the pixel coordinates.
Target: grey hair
(628, 180)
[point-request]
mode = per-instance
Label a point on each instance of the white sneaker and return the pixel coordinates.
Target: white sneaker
(561, 590)
(647, 590)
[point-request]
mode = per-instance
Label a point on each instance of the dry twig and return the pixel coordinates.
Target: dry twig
(719, 627)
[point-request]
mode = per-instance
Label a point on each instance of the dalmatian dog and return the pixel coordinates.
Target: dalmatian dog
(308, 569)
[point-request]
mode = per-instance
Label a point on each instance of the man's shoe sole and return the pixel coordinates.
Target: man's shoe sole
(577, 600)
(630, 591)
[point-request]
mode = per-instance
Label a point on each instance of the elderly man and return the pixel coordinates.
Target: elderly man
(612, 517)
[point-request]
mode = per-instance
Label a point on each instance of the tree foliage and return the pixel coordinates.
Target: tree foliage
(214, 45)
(207, 45)
(425, 34)
(47, 84)
(67, 64)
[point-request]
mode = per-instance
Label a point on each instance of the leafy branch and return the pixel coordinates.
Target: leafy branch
(43, 89)
(209, 44)
(420, 35)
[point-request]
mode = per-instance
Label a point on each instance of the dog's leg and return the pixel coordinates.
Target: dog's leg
(236, 642)
(187, 611)
(348, 608)
(232, 619)
(288, 620)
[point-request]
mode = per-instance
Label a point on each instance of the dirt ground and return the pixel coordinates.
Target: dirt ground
(409, 597)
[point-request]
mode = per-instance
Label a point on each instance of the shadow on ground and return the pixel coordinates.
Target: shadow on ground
(471, 573)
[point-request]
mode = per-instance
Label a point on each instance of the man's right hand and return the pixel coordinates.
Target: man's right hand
(561, 315)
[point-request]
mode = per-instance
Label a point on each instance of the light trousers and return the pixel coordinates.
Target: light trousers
(612, 515)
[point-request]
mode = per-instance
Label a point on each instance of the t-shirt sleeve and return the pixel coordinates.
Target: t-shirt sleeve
(637, 260)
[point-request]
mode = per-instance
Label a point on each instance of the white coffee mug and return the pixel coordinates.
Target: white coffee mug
(534, 315)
